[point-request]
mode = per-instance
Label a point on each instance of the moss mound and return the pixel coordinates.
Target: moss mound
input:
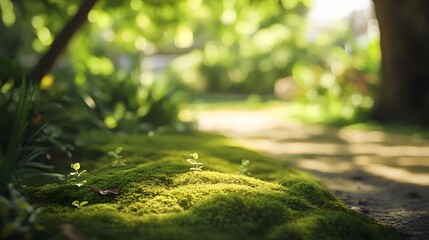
(160, 198)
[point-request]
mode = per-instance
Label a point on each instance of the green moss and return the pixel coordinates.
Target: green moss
(160, 198)
(322, 224)
(313, 192)
(253, 213)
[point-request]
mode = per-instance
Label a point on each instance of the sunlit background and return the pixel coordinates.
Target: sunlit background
(137, 63)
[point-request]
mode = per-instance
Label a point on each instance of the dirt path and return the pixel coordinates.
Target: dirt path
(385, 176)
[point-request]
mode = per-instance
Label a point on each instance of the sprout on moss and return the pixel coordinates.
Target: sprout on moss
(75, 176)
(118, 161)
(78, 204)
(198, 166)
(244, 167)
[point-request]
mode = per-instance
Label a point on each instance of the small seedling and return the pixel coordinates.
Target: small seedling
(244, 167)
(118, 161)
(77, 204)
(75, 176)
(198, 165)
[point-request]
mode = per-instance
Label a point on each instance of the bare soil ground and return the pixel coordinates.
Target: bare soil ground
(382, 175)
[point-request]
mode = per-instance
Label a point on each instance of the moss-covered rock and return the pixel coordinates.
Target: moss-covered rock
(160, 198)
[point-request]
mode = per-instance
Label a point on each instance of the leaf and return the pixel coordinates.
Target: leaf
(19, 128)
(83, 203)
(81, 172)
(76, 166)
(28, 158)
(112, 191)
(58, 176)
(79, 184)
(119, 149)
(39, 165)
(112, 153)
(191, 161)
(194, 155)
(73, 173)
(75, 203)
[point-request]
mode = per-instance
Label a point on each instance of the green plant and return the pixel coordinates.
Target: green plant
(244, 167)
(17, 216)
(198, 165)
(78, 204)
(75, 176)
(17, 152)
(118, 161)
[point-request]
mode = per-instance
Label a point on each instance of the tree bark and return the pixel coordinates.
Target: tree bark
(404, 40)
(60, 43)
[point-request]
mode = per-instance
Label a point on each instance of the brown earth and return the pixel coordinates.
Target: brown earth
(382, 175)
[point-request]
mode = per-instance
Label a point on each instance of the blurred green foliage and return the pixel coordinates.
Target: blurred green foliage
(130, 64)
(338, 79)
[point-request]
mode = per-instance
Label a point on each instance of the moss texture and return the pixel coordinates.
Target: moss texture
(160, 198)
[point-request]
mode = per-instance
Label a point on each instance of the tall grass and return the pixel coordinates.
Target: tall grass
(17, 159)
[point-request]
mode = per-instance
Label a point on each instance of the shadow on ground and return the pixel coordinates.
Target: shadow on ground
(385, 176)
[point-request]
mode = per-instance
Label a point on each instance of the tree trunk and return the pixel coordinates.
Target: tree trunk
(60, 43)
(404, 35)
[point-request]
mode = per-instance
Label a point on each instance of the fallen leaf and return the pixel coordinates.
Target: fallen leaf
(112, 191)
